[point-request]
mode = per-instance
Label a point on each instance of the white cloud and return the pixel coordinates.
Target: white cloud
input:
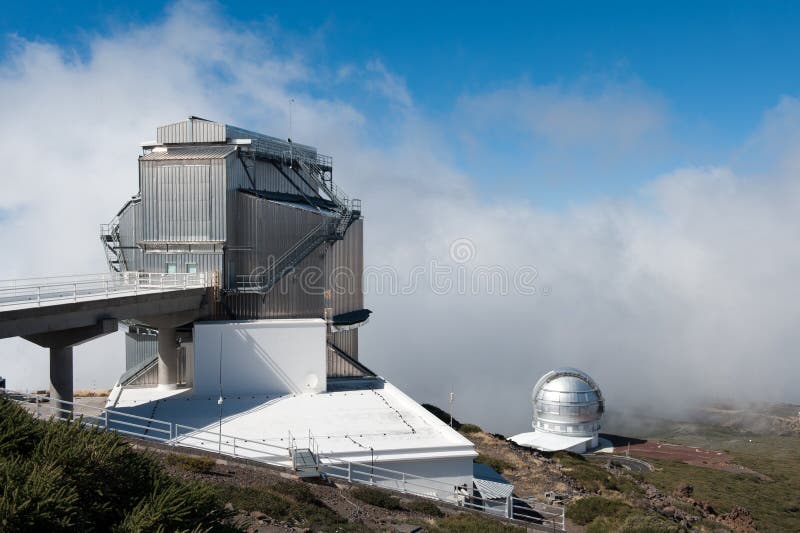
(688, 290)
(391, 86)
(605, 113)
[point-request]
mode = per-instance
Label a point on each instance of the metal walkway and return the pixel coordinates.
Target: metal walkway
(36, 292)
(43, 305)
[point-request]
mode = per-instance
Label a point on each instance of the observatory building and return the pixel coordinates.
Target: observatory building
(567, 410)
(270, 355)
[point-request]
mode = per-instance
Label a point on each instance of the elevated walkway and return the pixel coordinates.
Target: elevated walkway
(63, 312)
(43, 305)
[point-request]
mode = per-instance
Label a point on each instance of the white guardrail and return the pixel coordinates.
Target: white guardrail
(44, 291)
(528, 511)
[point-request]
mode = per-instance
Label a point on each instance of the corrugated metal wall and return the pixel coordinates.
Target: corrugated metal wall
(183, 201)
(266, 177)
(347, 341)
(129, 224)
(157, 262)
(193, 130)
(339, 367)
(264, 230)
(139, 347)
(344, 267)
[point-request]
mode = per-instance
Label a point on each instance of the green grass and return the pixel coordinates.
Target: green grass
(601, 515)
(378, 498)
(770, 501)
(424, 507)
(500, 465)
(593, 477)
(381, 498)
(585, 510)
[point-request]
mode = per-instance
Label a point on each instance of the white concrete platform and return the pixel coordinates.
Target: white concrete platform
(552, 442)
(380, 424)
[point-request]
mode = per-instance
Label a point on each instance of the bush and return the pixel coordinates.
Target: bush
(378, 498)
(648, 523)
(286, 500)
(19, 431)
(585, 510)
(173, 507)
(61, 476)
(197, 464)
(593, 477)
(34, 499)
(500, 465)
(470, 428)
(472, 523)
(425, 507)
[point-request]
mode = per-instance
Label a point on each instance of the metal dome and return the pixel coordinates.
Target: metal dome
(567, 401)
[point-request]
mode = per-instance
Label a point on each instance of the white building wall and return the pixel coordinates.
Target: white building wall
(260, 357)
(436, 477)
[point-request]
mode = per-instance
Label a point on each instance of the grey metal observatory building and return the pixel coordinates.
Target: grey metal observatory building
(262, 219)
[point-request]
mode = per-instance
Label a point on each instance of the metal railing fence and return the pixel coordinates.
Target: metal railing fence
(43, 291)
(533, 513)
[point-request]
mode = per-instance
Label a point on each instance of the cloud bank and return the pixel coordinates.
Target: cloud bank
(683, 292)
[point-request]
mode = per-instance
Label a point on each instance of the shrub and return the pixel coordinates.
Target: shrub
(648, 523)
(19, 431)
(197, 464)
(425, 507)
(378, 498)
(592, 477)
(286, 500)
(173, 507)
(472, 523)
(585, 510)
(67, 476)
(470, 428)
(35, 499)
(500, 465)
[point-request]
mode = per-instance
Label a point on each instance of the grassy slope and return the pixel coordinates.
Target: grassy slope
(774, 503)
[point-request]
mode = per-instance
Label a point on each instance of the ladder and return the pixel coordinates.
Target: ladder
(109, 236)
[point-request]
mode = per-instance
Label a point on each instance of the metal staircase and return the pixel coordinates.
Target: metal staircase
(109, 236)
(317, 171)
(262, 282)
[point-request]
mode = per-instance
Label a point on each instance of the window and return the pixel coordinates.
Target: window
(172, 268)
(191, 268)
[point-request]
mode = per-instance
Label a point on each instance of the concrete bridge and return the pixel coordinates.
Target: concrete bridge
(60, 313)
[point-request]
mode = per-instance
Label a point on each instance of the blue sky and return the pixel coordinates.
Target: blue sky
(709, 70)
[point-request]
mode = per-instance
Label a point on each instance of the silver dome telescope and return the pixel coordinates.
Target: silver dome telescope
(568, 409)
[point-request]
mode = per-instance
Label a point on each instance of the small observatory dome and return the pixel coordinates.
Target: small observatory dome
(567, 401)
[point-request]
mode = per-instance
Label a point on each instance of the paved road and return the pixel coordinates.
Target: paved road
(635, 465)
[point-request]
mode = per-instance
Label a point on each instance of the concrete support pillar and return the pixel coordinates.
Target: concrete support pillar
(167, 358)
(61, 379)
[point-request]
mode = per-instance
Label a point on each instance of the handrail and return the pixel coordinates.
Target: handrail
(264, 280)
(58, 289)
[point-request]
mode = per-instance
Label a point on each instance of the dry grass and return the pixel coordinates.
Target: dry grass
(90, 393)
